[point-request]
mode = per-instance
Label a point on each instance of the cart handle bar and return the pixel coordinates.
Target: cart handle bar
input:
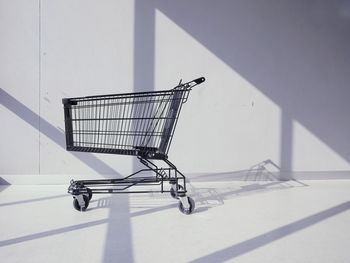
(190, 84)
(199, 80)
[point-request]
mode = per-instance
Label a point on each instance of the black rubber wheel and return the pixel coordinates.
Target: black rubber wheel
(188, 210)
(173, 192)
(89, 192)
(77, 206)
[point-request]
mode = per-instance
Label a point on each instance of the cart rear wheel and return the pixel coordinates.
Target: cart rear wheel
(189, 210)
(78, 207)
(173, 193)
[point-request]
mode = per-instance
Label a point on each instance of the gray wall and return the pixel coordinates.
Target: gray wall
(277, 86)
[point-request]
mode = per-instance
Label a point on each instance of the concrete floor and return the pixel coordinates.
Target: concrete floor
(234, 221)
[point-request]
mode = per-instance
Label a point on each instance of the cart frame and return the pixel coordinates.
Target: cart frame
(140, 124)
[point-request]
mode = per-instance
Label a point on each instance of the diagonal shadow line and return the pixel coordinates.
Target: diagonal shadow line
(51, 132)
(269, 237)
(51, 232)
(70, 228)
(33, 200)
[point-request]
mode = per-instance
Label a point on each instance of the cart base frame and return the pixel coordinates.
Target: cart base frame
(82, 190)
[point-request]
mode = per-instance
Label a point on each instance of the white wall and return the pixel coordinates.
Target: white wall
(19, 56)
(277, 84)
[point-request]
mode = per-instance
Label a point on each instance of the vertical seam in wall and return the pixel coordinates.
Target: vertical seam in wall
(39, 92)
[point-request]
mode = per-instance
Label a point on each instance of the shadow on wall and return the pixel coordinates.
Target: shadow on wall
(3, 184)
(295, 52)
(3, 181)
(53, 133)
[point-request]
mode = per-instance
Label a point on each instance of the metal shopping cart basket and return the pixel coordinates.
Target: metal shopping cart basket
(140, 124)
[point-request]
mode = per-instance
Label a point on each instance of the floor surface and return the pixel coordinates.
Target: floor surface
(239, 221)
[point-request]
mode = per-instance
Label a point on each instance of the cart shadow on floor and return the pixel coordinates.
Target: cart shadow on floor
(264, 171)
(263, 177)
(207, 198)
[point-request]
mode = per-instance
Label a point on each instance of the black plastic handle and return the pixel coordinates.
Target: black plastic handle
(199, 80)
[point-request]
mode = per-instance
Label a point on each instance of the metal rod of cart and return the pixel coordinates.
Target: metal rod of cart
(140, 124)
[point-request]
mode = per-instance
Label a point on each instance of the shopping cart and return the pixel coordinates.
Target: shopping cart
(140, 124)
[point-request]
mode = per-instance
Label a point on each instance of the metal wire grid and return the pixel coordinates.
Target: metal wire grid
(127, 122)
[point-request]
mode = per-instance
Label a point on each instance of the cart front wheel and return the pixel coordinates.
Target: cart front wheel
(190, 205)
(173, 193)
(83, 204)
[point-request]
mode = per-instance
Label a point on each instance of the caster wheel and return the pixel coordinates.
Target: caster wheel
(89, 191)
(189, 210)
(77, 205)
(173, 193)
